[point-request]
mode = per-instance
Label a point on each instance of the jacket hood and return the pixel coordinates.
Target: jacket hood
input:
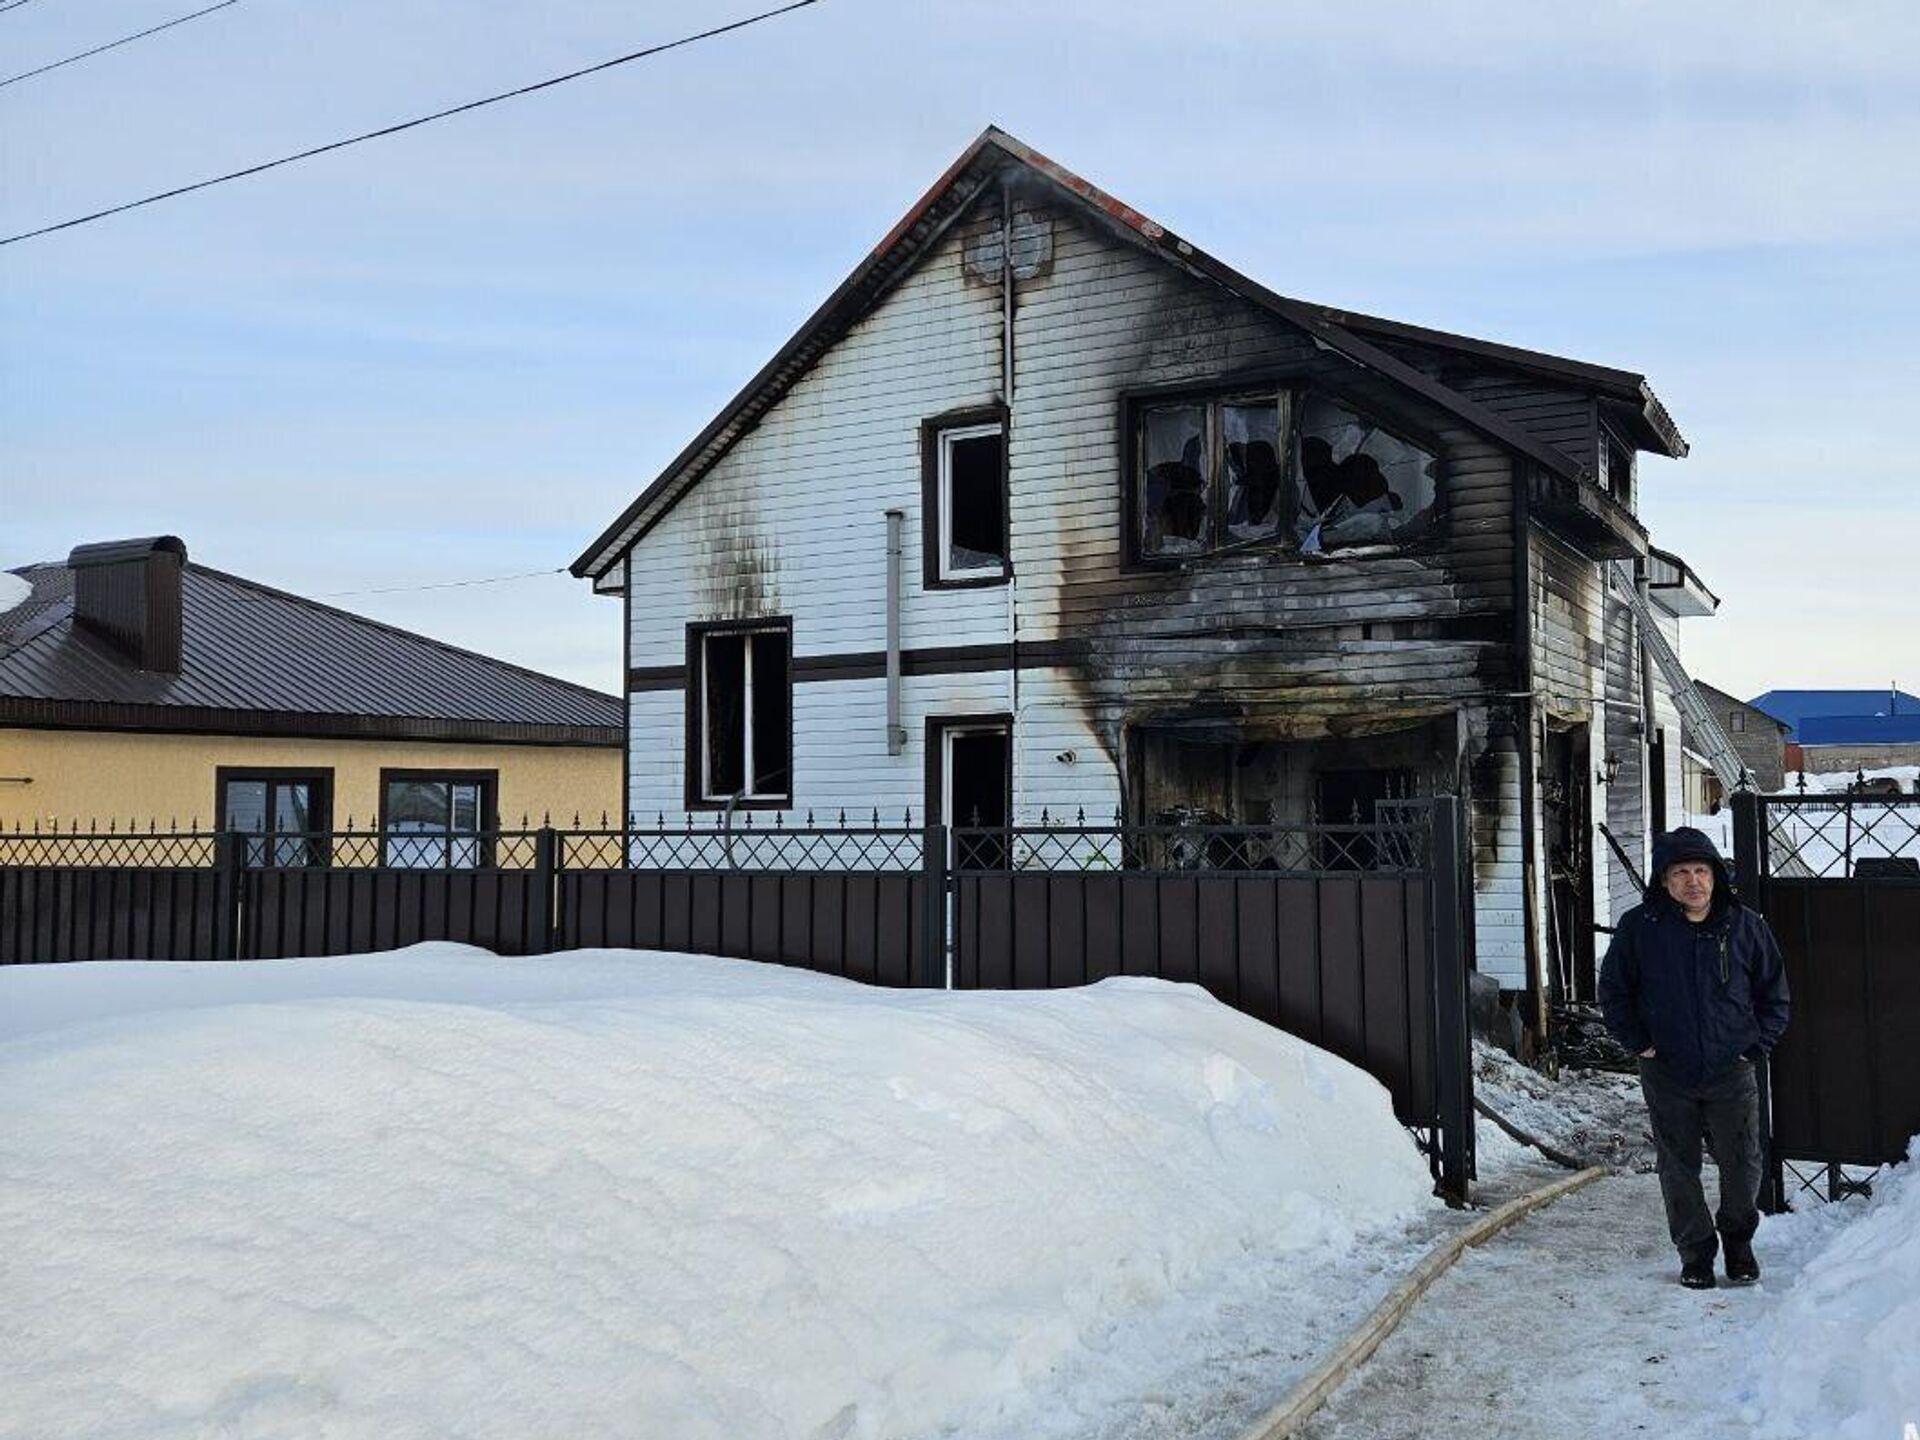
(1686, 843)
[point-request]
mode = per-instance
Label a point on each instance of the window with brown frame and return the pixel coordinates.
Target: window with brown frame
(437, 819)
(1208, 472)
(1214, 472)
(281, 815)
(740, 714)
(964, 498)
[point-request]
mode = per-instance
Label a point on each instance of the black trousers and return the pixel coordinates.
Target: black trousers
(1725, 1112)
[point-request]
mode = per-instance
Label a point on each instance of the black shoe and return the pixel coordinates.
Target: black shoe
(1698, 1274)
(1742, 1268)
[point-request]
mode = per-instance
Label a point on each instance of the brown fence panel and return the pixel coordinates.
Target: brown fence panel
(865, 925)
(1340, 960)
(345, 912)
(50, 914)
(1846, 1076)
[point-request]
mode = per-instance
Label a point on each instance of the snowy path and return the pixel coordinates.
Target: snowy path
(1569, 1324)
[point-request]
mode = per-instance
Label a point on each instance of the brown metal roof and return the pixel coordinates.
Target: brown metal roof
(950, 195)
(261, 661)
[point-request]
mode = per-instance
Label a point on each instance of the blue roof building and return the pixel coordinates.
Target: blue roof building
(1871, 717)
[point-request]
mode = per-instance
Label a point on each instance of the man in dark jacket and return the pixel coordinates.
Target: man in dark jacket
(1693, 984)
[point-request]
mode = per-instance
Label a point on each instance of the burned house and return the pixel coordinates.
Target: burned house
(1045, 508)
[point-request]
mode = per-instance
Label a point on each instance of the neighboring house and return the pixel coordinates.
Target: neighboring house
(1162, 542)
(1757, 736)
(136, 686)
(1845, 730)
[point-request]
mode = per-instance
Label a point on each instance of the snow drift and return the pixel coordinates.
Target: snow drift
(1839, 1355)
(627, 1194)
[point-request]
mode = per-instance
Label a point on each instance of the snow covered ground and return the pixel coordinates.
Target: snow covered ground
(437, 1193)
(1571, 1323)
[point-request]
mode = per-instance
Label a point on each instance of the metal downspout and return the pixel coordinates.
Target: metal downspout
(896, 732)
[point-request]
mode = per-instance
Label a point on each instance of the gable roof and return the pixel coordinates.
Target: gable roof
(256, 660)
(927, 221)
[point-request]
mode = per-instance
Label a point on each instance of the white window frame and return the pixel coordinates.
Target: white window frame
(944, 534)
(745, 636)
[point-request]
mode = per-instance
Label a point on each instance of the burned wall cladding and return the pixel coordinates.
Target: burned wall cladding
(739, 575)
(1261, 641)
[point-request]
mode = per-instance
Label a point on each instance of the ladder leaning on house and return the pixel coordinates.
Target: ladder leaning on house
(1702, 726)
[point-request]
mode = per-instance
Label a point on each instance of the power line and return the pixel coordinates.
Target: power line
(15, 5)
(411, 124)
(444, 584)
(112, 44)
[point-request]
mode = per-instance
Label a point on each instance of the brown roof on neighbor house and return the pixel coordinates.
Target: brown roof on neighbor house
(255, 660)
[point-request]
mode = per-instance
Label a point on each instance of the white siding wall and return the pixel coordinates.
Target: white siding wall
(1499, 868)
(793, 520)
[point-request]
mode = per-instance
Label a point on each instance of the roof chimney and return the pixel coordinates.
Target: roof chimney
(128, 593)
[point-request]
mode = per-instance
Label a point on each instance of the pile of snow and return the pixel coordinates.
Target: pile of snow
(439, 1193)
(1836, 782)
(1839, 1355)
(13, 591)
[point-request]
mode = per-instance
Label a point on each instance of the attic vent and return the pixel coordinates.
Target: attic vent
(127, 592)
(1032, 248)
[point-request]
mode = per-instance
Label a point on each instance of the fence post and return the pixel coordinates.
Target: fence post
(1453, 1044)
(546, 881)
(1750, 874)
(933, 909)
(229, 894)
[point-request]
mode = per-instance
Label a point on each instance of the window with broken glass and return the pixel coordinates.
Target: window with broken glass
(1209, 473)
(744, 742)
(1215, 473)
(973, 502)
(1356, 482)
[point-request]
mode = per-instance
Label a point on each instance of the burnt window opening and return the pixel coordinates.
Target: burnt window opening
(1357, 483)
(1619, 476)
(1208, 473)
(973, 502)
(1348, 801)
(746, 707)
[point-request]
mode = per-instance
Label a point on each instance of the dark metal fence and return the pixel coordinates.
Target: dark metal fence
(1348, 936)
(1838, 878)
(1353, 937)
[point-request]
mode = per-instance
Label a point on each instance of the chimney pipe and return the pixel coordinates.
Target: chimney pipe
(127, 592)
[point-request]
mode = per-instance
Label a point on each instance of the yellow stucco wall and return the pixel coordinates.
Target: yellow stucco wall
(93, 775)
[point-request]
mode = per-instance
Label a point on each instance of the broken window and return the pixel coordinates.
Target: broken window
(1619, 476)
(746, 701)
(973, 502)
(1208, 473)
(1355, 483)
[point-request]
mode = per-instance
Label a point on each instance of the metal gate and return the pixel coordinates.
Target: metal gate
(1838, 878)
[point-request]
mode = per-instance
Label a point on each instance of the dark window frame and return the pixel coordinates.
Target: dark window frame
(937, 727)
(320, 777)
(932, 542)
(1282, 544)
(694, 765)
(489, 816)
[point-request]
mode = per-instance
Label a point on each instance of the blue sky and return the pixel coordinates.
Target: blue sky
(459, 352)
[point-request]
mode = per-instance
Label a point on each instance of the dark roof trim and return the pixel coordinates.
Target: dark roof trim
(1656, 430)
(35, 714)
(922, 225)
